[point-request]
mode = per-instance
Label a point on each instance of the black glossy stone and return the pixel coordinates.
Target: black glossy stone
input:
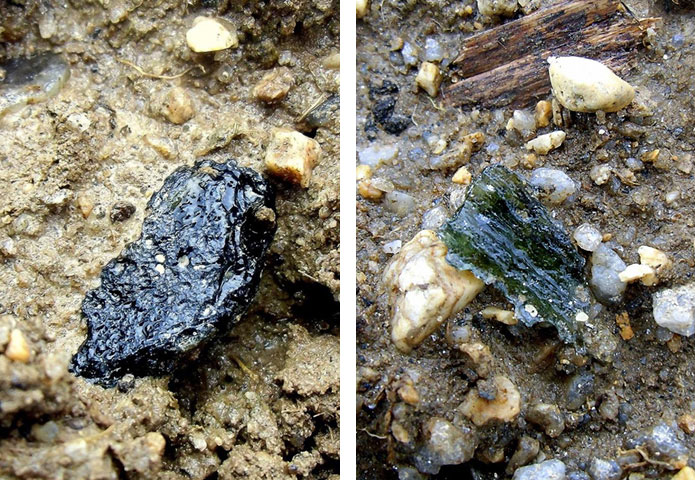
(191, 274)
(506, 237)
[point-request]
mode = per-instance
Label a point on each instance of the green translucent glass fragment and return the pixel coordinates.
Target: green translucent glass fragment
(506, 237)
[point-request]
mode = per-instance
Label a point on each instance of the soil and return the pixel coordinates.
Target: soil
(262, 402)
(640, 382)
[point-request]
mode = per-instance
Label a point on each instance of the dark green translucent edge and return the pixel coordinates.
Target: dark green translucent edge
(506, 237)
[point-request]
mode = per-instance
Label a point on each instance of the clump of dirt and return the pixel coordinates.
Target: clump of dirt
(633, 380)
(77, 171)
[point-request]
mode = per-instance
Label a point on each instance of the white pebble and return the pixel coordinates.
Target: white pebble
(410, 54)
(210, 35)
(600, 174)
(674, 309)
(542, 144)
(434, 218)
(584, 85)
(523, 122)
(606, 265)
(588, 237)
(433, 50)
(424, 290)
(555, 185)
(375, 155)
(392, 247)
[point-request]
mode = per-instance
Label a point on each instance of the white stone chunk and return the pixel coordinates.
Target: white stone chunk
(674, 309)
(292, 156)
(210, 35)
(424, 290)
(585, 85)
(542, 144)
(588, 237)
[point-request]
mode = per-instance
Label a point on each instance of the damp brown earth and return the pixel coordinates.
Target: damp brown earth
(633, 173)
(77, 170)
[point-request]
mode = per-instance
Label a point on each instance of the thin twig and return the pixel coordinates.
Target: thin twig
(152, 75)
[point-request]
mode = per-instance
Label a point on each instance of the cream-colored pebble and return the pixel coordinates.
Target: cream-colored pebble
(585, 85)
(634, 272)
(505, 406)
(462, 176)
(292, 156)
(503, 316)
(653, 257)
(362, 7)
(424, 290)
(429, 78)
(18, 348)
(210, 35)
(542, 144)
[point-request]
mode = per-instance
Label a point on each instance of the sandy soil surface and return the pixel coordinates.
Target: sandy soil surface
(262, 402)
(629, 386)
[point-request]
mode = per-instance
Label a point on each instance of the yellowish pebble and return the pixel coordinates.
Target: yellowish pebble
(18, 348)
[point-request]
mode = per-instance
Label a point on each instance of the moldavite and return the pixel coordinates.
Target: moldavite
(506, 237)
(193, 271)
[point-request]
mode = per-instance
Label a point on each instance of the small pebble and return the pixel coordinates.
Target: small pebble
(505, 407)
(686, 422)
(543, 113)
(274, 85)
(523, 122)
(555, 185)
(505, 8)
(434, 218)
(503, 316)
(210, 35)
(429, 78)
(178, 106)
(543, 144)
(600, 174)
(376, 155)
(588, 237)
(121, 211)
(17, 348)
(580, 386)
(606, 265)
(604, 469)
(85, 204)
(584, 85)
(410, 54)
(362, 8)
(434, 52)
(462, 176)
(525, 452)
(634, 272)
(674, 309)
(548, 470)
(399, 203)
(548, 417)
(392, 247)
(653, 257)
(686, 473)
(445, 444)
(662, 443)
(292, 156)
